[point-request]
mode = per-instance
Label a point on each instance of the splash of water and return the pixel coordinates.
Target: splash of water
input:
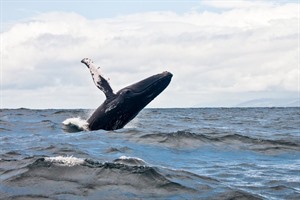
(76, 123)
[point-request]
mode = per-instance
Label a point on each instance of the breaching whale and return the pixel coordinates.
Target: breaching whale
(121, 107)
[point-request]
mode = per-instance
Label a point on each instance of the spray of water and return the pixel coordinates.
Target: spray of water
(76, 123)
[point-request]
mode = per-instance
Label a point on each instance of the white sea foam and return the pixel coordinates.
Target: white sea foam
(77, 122)
(65, 160)
(131, 161)
(129, 158)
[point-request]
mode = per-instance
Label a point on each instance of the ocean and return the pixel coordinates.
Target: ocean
(188, 153)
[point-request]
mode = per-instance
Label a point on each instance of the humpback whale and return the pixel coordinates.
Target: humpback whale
(120, 108)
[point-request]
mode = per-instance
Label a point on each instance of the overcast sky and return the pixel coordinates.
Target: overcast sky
(221, 53)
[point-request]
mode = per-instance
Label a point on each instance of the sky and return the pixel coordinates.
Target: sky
(221, 52)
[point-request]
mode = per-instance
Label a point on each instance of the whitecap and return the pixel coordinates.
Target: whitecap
(77, 122)
(130, 161)
(128, 158)
(65, 160)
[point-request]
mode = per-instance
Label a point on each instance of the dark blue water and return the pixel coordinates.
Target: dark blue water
(217, 153)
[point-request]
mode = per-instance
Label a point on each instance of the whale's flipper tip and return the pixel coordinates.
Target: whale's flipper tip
(86, 61)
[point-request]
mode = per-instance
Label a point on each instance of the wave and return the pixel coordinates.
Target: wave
(70, 174)
(130, 161)
(67, 161)
(71, 111)
(120, 150)
(68, 177)
(4, 130)
(71, 161)
(190, 139)
(75, 124)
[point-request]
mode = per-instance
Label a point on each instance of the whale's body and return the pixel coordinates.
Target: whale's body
(121, 107)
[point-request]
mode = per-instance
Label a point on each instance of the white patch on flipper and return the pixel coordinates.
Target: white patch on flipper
(96, 75)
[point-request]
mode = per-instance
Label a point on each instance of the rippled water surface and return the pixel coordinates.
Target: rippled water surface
(209, 153)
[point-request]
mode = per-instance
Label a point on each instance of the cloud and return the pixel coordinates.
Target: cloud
(238, 4)
(246, 4)
(251, 47)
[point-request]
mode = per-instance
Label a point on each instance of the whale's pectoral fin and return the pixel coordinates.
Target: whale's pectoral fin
(104, 86)
(99, 80)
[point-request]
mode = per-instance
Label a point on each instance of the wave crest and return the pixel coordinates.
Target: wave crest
(65, 160)
(190, 139)
(75, 124)
(130, 161)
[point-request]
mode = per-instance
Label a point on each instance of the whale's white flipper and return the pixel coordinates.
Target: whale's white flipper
(98, 79)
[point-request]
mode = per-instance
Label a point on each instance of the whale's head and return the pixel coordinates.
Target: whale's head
(128, 102)
(144, 91)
